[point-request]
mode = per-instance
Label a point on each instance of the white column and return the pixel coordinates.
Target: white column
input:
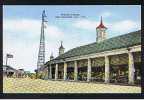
(50, 72)
(65, 71)
(56, 72)
(46, 74)
(75, 71)
(107, 70)
(89, 70)
(131, 68)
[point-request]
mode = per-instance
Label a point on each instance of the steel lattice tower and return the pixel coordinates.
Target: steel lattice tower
(41, 53)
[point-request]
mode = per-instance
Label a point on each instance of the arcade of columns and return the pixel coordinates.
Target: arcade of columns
(89, 58)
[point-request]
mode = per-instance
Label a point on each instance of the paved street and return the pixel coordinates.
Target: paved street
(26, 85)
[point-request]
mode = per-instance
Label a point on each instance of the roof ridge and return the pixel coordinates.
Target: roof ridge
(109, 38)
(124, 34)
(79, 48)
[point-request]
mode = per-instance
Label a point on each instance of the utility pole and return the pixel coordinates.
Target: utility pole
(41, 53)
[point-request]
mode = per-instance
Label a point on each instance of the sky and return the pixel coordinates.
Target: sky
(22, 25)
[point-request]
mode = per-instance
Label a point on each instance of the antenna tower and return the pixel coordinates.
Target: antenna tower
(41, 53)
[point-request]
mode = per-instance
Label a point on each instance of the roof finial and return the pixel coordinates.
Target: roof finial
(61, 47)
(101, 24)
(43, 11)
(61, 43)
(101, 20)
(43, 14)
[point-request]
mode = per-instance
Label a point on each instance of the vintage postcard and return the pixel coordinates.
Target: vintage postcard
(72, 49)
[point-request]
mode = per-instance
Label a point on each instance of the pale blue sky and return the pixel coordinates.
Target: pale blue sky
(22, 28)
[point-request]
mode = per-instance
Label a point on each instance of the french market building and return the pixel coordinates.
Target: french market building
(113, 60)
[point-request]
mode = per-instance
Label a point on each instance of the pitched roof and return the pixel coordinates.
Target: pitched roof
(9, 67)
(122, 41)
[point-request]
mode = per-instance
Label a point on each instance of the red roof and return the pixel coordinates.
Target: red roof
(101, 24)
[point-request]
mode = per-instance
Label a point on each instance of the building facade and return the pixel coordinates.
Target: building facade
(9, 71)
(113, 60)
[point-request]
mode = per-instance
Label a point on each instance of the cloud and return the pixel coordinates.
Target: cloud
(123, 26)
(25, 55)
(85, 24)
(53, 32)
(29, 28)
(21, 38)
(21, 25)
(105, 14)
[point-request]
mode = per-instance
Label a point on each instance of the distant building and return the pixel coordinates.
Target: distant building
(8, 71)
(20, 73)
(113, 60)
